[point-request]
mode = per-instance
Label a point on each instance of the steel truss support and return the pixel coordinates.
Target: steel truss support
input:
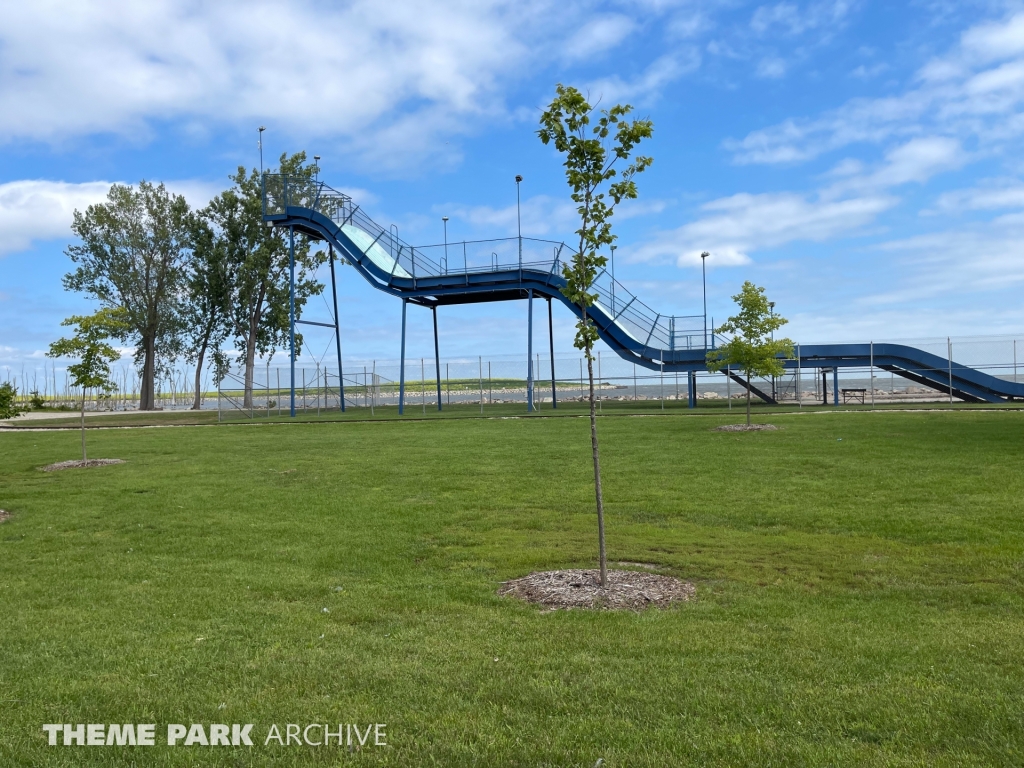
(401, 367)
(337, 331)
(291, 310)
(551, 347)
(437, 358)
(529, 351)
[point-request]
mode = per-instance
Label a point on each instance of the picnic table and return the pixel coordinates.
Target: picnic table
(854, 394)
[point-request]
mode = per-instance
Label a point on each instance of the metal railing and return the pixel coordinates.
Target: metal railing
(511, 254)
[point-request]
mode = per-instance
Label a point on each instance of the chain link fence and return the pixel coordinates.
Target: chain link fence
(502, 379)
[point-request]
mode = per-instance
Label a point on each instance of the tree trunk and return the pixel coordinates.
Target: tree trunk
(196, 402)
(83, 424)
(250, 360)
(748, 399)
(148, 386)
(597, 472)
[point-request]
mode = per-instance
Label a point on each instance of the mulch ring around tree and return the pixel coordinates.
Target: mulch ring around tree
(79, 464)
(626, 590)
(745, 428)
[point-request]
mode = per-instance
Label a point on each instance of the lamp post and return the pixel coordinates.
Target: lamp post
(444, 220)
(519, 221)
(316, 167)
(704, 283)
(771, 314)
(260, 145)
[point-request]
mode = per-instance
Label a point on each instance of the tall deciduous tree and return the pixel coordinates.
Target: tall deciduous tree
(752, 348)
(593, 141)
(259, 320)
(207, 309)
(132, 255)
(90, 346)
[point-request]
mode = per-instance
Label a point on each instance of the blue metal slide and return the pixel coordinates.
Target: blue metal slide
(524, 268)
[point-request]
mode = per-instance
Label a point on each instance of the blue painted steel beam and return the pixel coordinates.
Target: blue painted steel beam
(291, 311)
(551, 340)
(337, 331)
(437, 359)
(529, 348)
(401, 366)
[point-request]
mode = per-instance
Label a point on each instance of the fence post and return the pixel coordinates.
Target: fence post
(799, 397)
(600, 396)
(872, 358)
(480, 373)
(423, 385)
(218, 402)
(949, 351)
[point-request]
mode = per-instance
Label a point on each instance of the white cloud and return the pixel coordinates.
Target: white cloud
(598, 35)
(914, 161)
(771, 67)
(733, 227)
(789, 18)
(865, 72)
(958, 262)
(35, 210)
(971, 93)
(68, 69)
(42, 210)
(649, 83)
(990, 195)
(542, 216)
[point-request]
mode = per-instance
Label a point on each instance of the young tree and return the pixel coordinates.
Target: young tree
(9, 401)
(752, 348)
(593, 142)
(206, 309)
(132, 255)
(259, 254)
(89, 345)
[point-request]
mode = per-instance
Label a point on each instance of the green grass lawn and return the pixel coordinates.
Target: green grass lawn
(859, 591)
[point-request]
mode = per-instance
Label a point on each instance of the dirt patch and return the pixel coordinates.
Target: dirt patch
(4, 515)
(745, 428)
(629, 590)
(79, 464)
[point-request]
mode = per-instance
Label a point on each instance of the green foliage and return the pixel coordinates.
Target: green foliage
(89, 346)
(132, 255)
(36, 401)
(752, 347)
(593, 142)
(259, 256)
(9, 401)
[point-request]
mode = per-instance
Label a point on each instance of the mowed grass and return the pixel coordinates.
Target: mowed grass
(859, 582)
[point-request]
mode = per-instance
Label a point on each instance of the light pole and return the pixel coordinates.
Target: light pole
(771, 314)
(444, 220)
(704, 283)
(260, 145)
(519, 221)
(316, 167)
(613, 247)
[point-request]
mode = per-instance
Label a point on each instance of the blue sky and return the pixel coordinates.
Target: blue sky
(860, 160)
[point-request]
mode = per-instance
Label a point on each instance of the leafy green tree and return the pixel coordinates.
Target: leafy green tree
(132, 255)
(9, 401)
(89, 345)
(752, 347)
(206, 309)
(259, 256)
(593, 141)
